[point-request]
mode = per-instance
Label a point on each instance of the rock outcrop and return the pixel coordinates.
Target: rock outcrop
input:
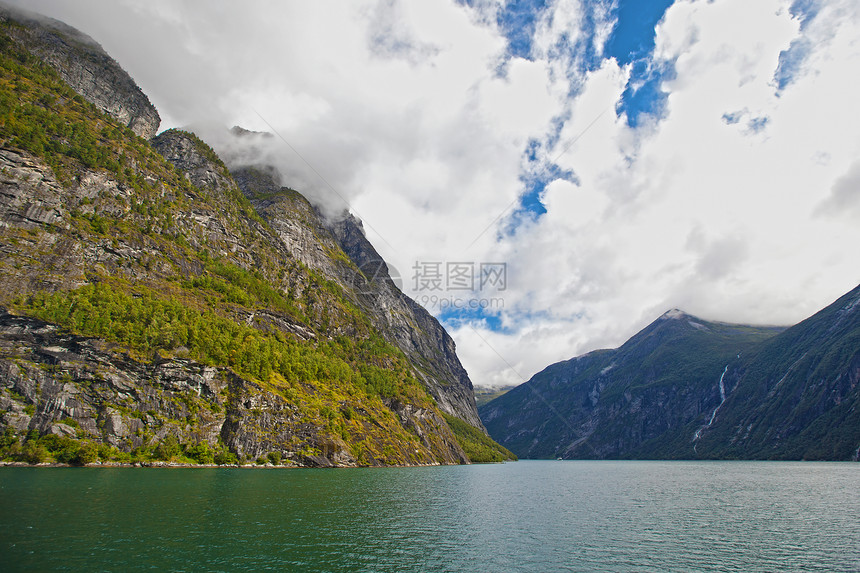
(84, 65)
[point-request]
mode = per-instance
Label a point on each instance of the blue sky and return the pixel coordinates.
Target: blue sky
(631, 42)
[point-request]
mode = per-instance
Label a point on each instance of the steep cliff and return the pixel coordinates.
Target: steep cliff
(320, 244)
(84, 66)
(152, 313)
(687, 388)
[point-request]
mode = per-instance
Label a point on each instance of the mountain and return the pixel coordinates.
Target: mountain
(84, 66)
(615, 403)
(687, 388)
(149, 310)
(402, 321)
(798, 395)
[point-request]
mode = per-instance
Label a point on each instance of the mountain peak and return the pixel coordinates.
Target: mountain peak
(240, 131)
(675, 314)
(85, 67)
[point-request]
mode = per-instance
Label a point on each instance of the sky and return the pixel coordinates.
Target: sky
(546, 177)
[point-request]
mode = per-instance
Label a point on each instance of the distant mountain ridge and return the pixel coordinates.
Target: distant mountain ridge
(686, 388)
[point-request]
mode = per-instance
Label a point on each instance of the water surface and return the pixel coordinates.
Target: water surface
(524, 516)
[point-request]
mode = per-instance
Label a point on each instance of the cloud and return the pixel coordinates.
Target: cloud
(817, 19)
(709, 207)
(720, 199)
(844, 198)
(390, 36)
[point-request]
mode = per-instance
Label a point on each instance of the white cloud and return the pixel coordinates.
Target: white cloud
(400, 106)
(696, 212)
(844, 198)
(519, 104)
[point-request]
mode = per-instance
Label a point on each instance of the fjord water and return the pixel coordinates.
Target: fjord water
(524, 516)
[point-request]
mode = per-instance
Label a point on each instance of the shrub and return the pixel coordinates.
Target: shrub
(34, 452)
(167, 449)
(65, 451)
(200, 453)
(8, 439)
(87, 453)
(225, 457)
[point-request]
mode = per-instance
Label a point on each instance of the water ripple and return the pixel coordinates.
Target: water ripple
(527, 516)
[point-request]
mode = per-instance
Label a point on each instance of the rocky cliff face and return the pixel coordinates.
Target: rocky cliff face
(151, 311)
(687, 388)
(85, 66)
(60, 384)
(320, 244)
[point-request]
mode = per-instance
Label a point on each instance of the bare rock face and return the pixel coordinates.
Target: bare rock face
(84, 65)
(182, 151)
(29, 194)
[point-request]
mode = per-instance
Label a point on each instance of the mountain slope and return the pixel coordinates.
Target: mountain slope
(613, 403)
(320, 244)
(85, 67)
(798, 397)
(154, 314)
(687, 388)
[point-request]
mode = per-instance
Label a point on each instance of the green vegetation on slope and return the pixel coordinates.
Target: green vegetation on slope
(478, 446)
(50, 448)
(147, 322)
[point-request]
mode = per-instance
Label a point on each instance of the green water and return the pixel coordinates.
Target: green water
(525, 516)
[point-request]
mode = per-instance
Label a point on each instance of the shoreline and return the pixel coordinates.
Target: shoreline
(179, 465)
